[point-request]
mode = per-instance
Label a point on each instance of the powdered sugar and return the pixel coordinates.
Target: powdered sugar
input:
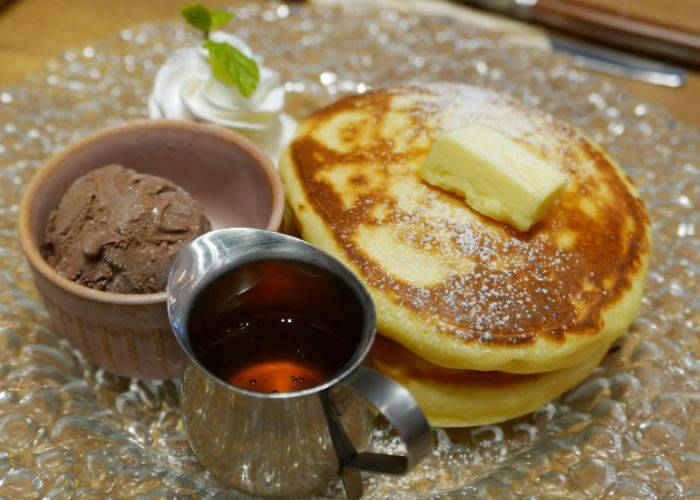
(483, 280)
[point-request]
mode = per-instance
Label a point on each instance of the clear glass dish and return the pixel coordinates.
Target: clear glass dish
(631, 429)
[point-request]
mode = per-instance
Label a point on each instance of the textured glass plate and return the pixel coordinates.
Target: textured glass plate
(631, 429)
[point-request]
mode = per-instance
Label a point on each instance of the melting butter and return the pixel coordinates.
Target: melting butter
(496, 175)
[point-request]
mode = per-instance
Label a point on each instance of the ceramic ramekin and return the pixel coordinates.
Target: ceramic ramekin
(231, 178)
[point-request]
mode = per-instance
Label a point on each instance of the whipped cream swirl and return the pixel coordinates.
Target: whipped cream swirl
(185, 88)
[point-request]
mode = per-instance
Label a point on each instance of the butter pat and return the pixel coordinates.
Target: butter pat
(497, 176)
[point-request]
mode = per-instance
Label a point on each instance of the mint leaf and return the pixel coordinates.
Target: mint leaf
(198, 16)
(219, 18)
(230, 66)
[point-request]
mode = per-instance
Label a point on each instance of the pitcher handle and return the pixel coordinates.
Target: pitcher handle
(393, 401)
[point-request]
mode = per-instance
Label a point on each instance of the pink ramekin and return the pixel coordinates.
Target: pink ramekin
(231, 178)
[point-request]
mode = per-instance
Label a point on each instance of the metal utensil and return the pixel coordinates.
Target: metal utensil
(610, 27)
(619, 63)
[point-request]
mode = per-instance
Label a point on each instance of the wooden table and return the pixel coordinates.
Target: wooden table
(32, 31)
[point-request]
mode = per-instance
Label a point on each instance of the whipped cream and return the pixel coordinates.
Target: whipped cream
(185, 88)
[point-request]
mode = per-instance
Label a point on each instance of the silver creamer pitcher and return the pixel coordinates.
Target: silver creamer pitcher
(293, 443)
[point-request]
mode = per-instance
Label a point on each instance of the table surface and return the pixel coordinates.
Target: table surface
(32, 31)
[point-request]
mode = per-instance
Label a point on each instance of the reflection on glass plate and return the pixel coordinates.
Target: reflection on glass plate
(632, 428)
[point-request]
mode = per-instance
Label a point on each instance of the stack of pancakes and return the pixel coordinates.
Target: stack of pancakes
(479, 321)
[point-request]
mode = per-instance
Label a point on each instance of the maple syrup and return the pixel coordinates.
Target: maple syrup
(275, 326)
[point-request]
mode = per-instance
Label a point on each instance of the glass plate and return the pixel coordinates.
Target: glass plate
(631, 429)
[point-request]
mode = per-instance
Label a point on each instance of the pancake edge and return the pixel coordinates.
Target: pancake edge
(447, 405)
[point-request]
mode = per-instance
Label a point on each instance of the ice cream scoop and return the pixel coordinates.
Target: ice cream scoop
(118, 230)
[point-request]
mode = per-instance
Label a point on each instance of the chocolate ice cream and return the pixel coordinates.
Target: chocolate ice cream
(119, 231)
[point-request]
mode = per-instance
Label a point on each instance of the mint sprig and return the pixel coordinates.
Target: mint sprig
(198, 16)
(229, 65)
(219, 18)
(232, 67)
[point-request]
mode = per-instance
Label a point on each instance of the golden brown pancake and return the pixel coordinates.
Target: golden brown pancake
(462, 398)
(455, 287)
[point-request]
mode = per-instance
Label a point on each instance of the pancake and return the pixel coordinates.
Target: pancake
(455, 287)
(463, 398)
